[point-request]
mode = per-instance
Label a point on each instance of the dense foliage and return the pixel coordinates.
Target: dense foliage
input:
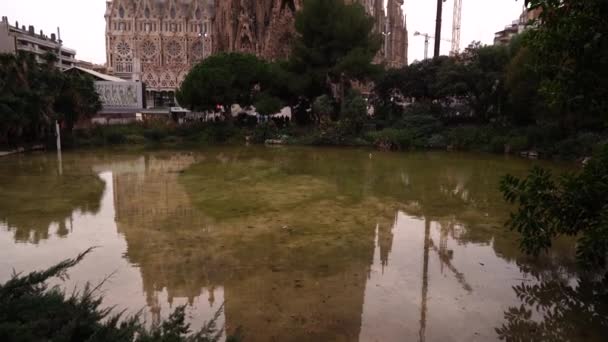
(31, 311)
(571, 45)
(225, 79)
(574, 205)
(557, 310)
(336, 43)
(33, 96)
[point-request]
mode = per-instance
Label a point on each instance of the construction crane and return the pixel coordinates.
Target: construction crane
(427, 38)
(456, 25)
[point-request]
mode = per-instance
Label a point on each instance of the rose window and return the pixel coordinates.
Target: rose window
(174, 48)
(148, 48)
(123, 48)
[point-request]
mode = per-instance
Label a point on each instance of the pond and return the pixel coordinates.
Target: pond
(296, 243)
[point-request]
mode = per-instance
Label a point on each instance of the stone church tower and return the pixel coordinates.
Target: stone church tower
(261, 27)
(397, 39)
(266, 27)
(157, 42)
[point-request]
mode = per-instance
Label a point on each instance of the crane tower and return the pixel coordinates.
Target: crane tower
(456, 24)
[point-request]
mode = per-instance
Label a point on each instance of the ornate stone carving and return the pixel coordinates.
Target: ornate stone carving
(266, 27)
(155, 41)
(119, 95)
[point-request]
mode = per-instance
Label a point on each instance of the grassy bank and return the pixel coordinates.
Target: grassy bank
(415, 133)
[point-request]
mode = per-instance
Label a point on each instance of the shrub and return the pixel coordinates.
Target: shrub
(322, 108)
(155, 134)
(264, 131)
(579, 146)
(518, 143)
(353, 114)
(245, 120)
(115, 138)
(30, 311)
(570, 205)
(391, 139)
(437, 141)
(498, 144)
(135, 139)
(217, 133)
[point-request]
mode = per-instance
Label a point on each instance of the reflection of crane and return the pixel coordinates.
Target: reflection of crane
(445, 256)
(427, 37)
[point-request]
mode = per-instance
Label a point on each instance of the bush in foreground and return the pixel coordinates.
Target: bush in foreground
(573, 205)
(31, 311)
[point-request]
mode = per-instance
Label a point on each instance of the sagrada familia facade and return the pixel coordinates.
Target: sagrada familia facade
(158, 41)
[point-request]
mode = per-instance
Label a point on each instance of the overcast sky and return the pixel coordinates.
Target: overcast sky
(82, 23)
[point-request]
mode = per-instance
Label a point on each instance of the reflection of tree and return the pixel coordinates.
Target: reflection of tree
(556, 310)
(34, 196)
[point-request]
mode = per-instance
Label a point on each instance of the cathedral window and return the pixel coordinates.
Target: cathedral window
(174, 48)
(123, 48)
(121, 12)
(148, 48)
(147, 13)
(173, 13)
(197, 50)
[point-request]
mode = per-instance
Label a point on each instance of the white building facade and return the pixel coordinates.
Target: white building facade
(15, 38)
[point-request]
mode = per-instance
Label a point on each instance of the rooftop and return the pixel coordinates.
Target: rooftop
(97, 75)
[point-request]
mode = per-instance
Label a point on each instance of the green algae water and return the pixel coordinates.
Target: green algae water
(298, 244)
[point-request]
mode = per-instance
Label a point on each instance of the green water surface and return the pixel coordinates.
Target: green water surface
(299, 244)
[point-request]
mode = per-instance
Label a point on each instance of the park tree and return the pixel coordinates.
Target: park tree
(33, 95)
(525, 106)
(77, 99)
(223, 80)
(571, 45)
(267, 104)
(477, 77)
(353, 114)
(335, 44)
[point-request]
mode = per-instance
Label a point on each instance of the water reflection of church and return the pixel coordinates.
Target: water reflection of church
(377, 273)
